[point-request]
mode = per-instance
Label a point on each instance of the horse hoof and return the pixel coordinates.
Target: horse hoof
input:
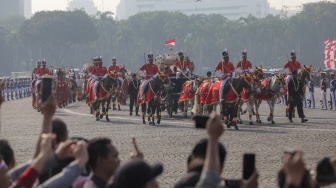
(158, 121)
(97, 118)
(268, 119)
(236, 127)
(143, 122)
(107, 119)
(251, 123)
(101, 116)
(273, 122)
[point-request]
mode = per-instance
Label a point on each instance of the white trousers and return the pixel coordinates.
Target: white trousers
(186, 73)
(324, 100)
(304, 100)
(221, 88)
(144, 84)
(121, 81)
(312, 100)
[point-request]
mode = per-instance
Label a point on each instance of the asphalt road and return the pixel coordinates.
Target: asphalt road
(172, 140)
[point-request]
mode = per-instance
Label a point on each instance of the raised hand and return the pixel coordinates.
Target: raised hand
(214, 126)
(137, 154)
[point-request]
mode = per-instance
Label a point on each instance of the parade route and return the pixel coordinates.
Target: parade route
(172, 140)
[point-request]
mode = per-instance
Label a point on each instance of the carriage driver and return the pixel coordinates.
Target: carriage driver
(98, 73)
(182, 66)
(225, 70)
(244, 66)
(149, 71)
(291, 66)
(116, 67)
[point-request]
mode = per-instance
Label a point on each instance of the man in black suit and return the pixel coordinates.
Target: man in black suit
(133, 88)
(295, 94)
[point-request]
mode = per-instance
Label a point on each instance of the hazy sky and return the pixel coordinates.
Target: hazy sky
(110, 5)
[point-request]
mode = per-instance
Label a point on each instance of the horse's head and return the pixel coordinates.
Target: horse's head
(113, 74)
(305, 72)
(277, 83)
(259, 73)
(251, 83)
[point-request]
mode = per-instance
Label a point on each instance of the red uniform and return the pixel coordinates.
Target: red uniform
(99, 71)
(112, 68)
(292, 66)
(226, 68)
(90, 69)
(36, 71)
(151, 70)
(244, 65)
(44, 71)
(184, 65)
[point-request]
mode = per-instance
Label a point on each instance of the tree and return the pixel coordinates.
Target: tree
(57, 31)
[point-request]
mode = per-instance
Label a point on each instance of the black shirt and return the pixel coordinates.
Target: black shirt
(133, 88)
(295, 89)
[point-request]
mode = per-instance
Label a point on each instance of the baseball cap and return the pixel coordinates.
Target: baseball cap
(136, 173)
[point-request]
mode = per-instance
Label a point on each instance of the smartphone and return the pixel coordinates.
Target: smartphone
(248, 165)
(325, 171)
(200, 121)
(232, 183)
(46, 88)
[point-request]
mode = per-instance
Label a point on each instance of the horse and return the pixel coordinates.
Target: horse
(303, 76)
(60, 89)
(248, 98)
(271, 88)
(231, 98)
(200, 97)
(152, 98)
(106, 88)
(187, 95)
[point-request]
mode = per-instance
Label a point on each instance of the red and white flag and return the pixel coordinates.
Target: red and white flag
(327, 55)
(170, 42)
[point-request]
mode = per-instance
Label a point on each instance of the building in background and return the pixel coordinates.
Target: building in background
(11, 8)
(231, 9)
(27, 8)
(87, 5)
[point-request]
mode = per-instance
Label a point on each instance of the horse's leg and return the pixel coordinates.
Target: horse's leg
(103, 109)
(106, 110)
(239, 108)
(233, 115)
(96, 107)
(185, 108)
(153, 112)
(249, 104)
(114, 103)
(271, 104)
(158, 113)
(257, 105)
(119, 99)
(143, 110)
(149, 113)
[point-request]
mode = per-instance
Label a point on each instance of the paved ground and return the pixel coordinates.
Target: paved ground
(173, 140)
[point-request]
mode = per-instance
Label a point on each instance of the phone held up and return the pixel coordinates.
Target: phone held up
(248, 165)
(46, 88)
(200, 121)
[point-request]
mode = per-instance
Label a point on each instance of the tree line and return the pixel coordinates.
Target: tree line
(73, 38)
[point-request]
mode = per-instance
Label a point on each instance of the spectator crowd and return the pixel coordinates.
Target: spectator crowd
(62, 161)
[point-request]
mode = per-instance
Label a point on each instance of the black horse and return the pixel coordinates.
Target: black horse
(154, 105)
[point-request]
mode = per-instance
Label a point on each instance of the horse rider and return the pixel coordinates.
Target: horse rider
(226, 71)
(182, 66)
(91, 68)
(149, 71)
(36, 73)
(324, 91)
(291, 66)
(133, 89)
(99, 73)
(311, 86)
(115, 67)
(44, 71)
(244, 65)
(332, 90)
